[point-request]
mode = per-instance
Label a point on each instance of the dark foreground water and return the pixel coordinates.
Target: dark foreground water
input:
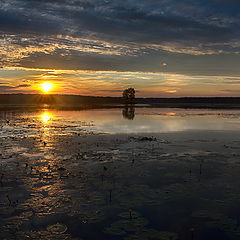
(120, 174)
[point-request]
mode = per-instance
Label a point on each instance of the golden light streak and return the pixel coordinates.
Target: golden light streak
(171, 91)
(171, 114)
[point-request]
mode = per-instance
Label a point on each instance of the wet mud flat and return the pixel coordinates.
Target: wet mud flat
(183, 185)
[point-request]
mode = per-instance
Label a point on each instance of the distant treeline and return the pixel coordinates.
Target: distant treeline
(91, 101)
(55, 99)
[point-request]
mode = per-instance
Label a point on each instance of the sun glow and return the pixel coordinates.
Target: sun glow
(46, 87)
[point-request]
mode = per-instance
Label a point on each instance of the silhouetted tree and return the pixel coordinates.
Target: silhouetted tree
(129, 94)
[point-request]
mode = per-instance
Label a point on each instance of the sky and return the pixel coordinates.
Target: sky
(166, 48)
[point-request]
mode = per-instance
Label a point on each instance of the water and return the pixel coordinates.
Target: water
(140, 120)
(122, 174)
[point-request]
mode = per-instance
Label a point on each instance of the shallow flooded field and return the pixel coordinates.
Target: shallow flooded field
(120, 174)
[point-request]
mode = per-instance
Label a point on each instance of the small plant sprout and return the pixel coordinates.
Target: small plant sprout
(110, 195)
(9, 200)
(1, 179)
(192, 230)
(130, 214)
(200, 167)
(133, 159)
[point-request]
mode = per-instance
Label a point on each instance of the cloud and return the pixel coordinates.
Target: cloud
(115, 90)
(120, 35)
(231, 90)
(111, 83)
(9, 87)
(23, 86)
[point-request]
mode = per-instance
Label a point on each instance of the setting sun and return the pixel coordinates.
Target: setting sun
(46, 87)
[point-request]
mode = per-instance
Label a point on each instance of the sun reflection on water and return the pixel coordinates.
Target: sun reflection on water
(46, 117)
(46, 128)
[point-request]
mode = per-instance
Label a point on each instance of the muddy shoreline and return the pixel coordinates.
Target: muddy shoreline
(60, 187)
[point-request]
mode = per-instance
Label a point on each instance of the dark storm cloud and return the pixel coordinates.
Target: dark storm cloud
(144, 29)
(18, 19)
(142, 21)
